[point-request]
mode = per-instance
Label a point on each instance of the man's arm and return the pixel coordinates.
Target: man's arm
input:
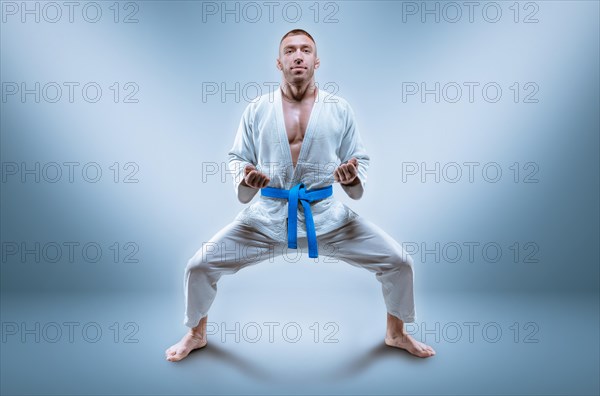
(353, 147)
(241, 155)
(245, 193)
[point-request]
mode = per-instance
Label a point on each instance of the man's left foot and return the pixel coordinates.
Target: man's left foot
(408, 343)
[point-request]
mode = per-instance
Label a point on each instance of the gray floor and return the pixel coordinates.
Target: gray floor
(555, 350)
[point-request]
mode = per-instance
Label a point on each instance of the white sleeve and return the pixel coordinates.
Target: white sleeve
(352, 146)
(241, 154)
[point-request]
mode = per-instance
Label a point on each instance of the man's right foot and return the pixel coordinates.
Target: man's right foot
(408, 343)
(188, 343)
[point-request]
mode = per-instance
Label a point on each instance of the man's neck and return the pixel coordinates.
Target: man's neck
(297, 93)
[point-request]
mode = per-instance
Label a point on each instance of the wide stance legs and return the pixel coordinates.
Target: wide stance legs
(359, 243)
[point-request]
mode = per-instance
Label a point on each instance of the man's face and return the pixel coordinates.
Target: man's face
(297, 59)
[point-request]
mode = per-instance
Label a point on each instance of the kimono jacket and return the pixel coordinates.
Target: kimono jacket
(331, 138)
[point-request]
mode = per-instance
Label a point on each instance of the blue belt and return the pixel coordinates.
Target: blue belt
(295, 194)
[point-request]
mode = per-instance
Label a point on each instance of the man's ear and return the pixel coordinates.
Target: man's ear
(278, 64)
(317, 63)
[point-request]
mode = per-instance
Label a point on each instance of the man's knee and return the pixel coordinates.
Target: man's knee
(205, 261)
(197, 265)
(402, 260)
(218, 259)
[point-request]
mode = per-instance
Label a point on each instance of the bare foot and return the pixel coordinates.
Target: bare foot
(188, 343)
(405, 341)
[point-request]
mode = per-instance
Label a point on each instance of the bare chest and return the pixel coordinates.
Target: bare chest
(296, 117)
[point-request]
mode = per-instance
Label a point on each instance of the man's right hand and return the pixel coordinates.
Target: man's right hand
(254, 178)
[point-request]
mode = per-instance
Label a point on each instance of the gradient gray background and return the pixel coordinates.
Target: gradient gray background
(367, 54)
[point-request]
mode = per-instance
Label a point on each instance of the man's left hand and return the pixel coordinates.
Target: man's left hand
(347, 173)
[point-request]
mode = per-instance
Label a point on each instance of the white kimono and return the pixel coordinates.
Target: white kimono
(331, 138)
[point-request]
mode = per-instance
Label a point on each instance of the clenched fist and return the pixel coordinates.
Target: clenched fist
(254, 178)
(347, 172)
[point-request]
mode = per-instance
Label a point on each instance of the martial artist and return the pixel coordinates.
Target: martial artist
(292, 145)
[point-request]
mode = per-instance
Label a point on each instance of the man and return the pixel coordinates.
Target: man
(285, 147)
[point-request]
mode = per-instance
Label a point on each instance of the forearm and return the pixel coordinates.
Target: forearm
(354, 189)
(245, 192)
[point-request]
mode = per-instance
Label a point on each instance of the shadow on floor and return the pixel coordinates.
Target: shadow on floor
(344, 370)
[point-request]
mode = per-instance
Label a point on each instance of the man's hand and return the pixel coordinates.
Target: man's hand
(254, 178)
(347, 173)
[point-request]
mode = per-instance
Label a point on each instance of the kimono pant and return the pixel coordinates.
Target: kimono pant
(359, 242)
